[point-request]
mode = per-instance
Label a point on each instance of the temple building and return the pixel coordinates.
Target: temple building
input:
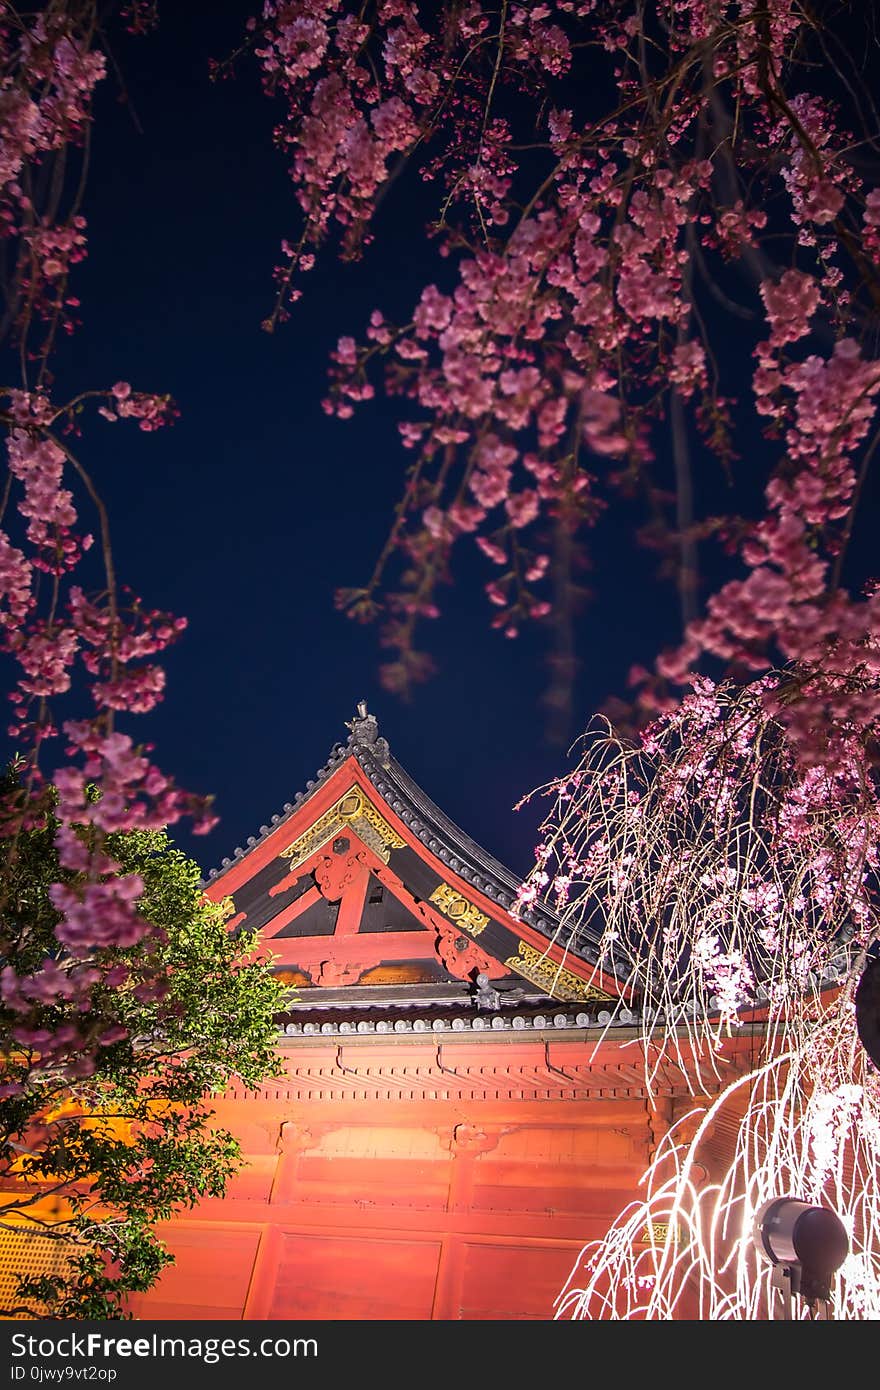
(461, 1102)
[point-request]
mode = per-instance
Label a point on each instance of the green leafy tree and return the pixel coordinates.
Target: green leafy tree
(95, 1156)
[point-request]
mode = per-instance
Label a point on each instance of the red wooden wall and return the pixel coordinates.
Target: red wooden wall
(410, 1181)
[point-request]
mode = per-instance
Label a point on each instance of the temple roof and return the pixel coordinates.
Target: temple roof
(428, 823)
(370, 897)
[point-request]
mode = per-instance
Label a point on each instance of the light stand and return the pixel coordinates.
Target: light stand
(787, 1279)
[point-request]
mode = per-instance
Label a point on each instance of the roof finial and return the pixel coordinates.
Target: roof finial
(364, 727)
(365, 733)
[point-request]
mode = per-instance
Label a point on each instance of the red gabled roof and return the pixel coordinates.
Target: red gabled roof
(364, 880)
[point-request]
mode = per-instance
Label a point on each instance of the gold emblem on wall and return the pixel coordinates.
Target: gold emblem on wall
(661, 1233)
(547, 975)
(458, 909)
(352, 810)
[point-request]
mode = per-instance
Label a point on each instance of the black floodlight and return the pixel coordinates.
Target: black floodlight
(807, 1243)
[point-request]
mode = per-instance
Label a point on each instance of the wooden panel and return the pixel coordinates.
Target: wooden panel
(588, 1143)
(210, 1277)
(381, 1141)
(566, 1190)
(254, 1182)
(559, 1171)
(506, 1281)
(352, 1277)
(381, 1184)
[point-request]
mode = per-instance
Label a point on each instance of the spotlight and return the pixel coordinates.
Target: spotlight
(806, 1244)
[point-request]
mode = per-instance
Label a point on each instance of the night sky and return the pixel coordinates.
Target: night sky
(250, 511)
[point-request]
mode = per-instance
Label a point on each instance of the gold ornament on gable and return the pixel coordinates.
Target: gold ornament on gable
(352, 811)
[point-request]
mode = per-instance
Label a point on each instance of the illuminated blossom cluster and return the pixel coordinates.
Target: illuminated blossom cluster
(49, 69)
(351, 116)
(568, 318)
(727, 884)
(789, 604)
(38, 463)
(713, 865)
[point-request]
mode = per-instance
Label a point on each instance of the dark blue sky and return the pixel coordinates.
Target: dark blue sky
(255, 506)
(250, 511)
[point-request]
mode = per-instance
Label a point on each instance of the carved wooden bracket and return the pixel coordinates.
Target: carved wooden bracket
(335, 872)
(462, 957)
(334, 974)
